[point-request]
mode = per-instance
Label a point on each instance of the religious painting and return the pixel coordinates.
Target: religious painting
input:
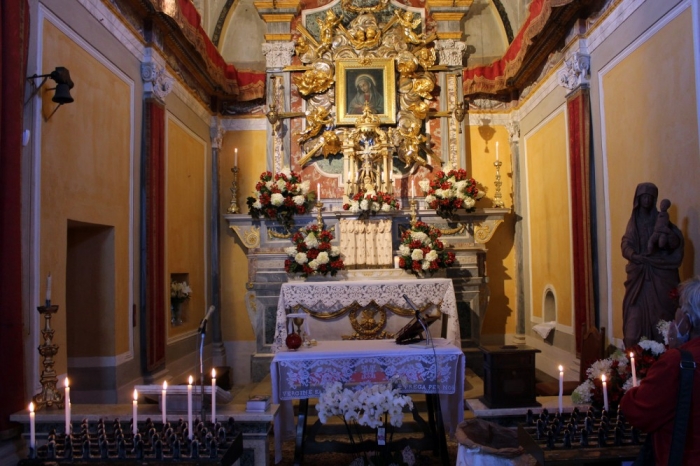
(359, 84)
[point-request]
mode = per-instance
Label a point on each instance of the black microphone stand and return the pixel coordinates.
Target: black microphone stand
(202, 333)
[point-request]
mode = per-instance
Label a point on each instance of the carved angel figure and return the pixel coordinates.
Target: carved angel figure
(316, 119)
(409, 24)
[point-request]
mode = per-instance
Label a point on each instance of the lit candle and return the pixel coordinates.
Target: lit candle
(605, 392)
(190, 428)
(318, 192)
(66, 402)
(634, 370)
(496, 151)
(561, 388)
(135, 429)
(164, 393)
(32, 427)
(397, 260)
(48, 290)
(413, 189)
(235, 157)
(213, 396)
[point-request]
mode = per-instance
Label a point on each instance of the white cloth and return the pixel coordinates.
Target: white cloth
(544, 328)
(304, 373)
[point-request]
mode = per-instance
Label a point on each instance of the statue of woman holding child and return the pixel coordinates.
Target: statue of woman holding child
(653, 247)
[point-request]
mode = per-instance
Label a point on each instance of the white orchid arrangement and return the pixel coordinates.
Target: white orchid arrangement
(179, 291)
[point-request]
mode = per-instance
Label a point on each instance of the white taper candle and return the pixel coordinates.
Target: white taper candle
(634, 370)
(190, 427)
(213, 396)
(32, 426)
(66, 403)
(134, 428)
(164, 407)
(605, 392)
(561, 388)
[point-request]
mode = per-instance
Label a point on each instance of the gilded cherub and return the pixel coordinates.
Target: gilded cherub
(327, 29)
(409, 24)
(316, 119)
(313, 81)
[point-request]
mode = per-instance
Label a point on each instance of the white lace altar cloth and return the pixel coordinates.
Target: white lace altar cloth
(305, 373)
(325, 297)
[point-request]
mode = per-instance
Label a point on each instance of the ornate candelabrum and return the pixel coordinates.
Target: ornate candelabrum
(319, 214)
(49, 394)
(233, 207)
(497, 198)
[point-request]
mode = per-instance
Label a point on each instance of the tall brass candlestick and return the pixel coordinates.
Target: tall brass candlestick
(497, 198)
(233, 207)
(49, 394)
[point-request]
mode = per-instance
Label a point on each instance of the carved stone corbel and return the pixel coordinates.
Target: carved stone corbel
(156, 80)
(576, 72)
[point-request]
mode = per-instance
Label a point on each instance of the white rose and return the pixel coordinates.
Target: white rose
(277, 199)
(286, 172)
(335, 251)
(354, 207)
(281, 184)
(480, 194)
(314, 264)
(430, 198)
(375, 206)
(311, 241)
(386, 207)
(364, 204)
(404, 250)
(442, 194)
(269, 184)
(469, 203)
(424, 185)
(299, 200)
(417, 255)
(460, 185)
(257, 204)
(425, 265)
(322, 257)
(291, 251)
(431, 256)
(301, 258)
(304, 187)
(419, 235)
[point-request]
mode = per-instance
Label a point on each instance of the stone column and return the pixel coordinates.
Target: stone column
(218, 350)
(513, 127)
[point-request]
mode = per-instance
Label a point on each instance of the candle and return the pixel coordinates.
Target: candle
(164, 393)
(561, 388)
(135, 429)
(66, 403)
(413, 189)
(396, 262)
(496, 151)
(318, 192)
(213, 396)
(235, 157)
(634, 370)
(32, 427)
(605, 392)
(48, 290)
(190, 427)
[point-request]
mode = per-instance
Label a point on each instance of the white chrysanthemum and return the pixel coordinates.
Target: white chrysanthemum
(424, 185)
(311, 241)
(460, 185)
(364, 204)
(354, 207)
(291, 251)
(432, 255)
(277, 199)
(269, 184)
(582, 394)
(430, 198)
(425, 265)
(335, 251)
(322, 258)
(419, 235)
(281, 184)
(480, 194)
(304, 187)
(299, 200)
(257, 204)
(301, 258)
(386, 207)
(314, 264)
(417, 255)
(442, 193)
(469, 203)
(404, 250)
(655, 347)
(374, 206)
(286, 171)
(452, 180)
(598, 368)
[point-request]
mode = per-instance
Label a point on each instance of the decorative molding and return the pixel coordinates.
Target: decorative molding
(258, 123)
(513, 127)
(450, 51)
(157, 82)
(278, 54)
(576, 71)
(216, 131)
(250, 237)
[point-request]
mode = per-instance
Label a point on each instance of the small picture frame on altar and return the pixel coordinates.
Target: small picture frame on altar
(361, 83)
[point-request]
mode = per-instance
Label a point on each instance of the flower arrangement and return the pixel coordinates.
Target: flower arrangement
(618, 372)
(421, 250)
(373, 405)
(280, 197)
(450, 191)
(179, 292)
(312, 253)
(369, 202)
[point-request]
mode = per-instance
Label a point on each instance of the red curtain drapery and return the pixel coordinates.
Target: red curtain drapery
(14, 30)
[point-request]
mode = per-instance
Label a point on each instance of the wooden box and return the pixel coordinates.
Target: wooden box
(509, 376)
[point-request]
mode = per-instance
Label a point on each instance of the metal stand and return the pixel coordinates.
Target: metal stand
(49, 394)
(319, 214)
(233, 207)
(497, 198)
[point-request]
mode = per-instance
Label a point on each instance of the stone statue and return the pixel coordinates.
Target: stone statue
(651, 275)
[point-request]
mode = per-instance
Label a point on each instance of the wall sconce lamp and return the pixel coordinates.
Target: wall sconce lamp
(63, 86)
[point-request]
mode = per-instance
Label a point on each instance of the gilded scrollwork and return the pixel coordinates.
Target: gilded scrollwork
(250, 237)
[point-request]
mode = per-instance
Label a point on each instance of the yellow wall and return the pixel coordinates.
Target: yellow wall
(547, 183)
(234, 266)
(186, 214)
(501, 314)
(651, 135)
(85, 176)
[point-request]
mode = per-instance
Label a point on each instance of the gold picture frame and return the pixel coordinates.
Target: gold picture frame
(371, 81)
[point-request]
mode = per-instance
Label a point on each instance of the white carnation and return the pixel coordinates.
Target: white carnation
(469, 203)
(375, 206)
(311, 241)
(277, 199)
(364, 204)
(286, 171)
(431, 256)
(269, 184)
(354, 207)
(304, 187)
(257, 204)
(404, 250)
(291, 251)
(419, 235)
(424, 185)
(322, 257)
(417, 255)
(281, 184)
(386, 207)
(655, 347)
(313, 264)
(582, 394)
(425, 265)
(299, 200)
(301, 258)
(442, 193)
(335, 251)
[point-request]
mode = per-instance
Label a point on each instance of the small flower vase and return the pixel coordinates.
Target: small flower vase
(293, 341)
(175, 313)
